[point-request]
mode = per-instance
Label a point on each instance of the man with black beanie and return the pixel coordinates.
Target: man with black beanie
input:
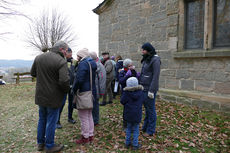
(70, 63)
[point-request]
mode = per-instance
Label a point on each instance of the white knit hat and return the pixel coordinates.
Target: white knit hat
(93, 55)
(132, 82)
(83, 53)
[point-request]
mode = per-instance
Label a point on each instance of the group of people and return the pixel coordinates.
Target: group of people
(58, 75)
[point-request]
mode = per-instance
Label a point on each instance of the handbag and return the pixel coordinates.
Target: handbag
(84, 100)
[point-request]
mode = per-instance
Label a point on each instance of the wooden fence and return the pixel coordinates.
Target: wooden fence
(20, 76)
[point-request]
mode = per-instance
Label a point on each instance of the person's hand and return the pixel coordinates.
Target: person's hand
(151, 95)
(128, 73)
(132, 68)
(138, 74)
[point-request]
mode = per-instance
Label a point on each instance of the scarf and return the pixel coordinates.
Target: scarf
(147, 58)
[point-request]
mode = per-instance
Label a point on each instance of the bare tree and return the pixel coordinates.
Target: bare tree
(8, 8)
(46, 30)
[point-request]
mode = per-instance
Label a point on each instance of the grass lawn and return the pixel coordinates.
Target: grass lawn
(180, 128)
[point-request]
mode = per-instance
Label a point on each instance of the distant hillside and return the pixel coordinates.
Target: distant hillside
(15, 63)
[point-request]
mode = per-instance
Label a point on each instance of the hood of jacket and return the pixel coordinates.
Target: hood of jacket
(134, 91)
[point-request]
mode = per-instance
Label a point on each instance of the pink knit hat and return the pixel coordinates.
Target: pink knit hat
(83, 53)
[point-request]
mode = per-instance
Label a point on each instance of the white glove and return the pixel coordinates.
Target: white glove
(151, 95)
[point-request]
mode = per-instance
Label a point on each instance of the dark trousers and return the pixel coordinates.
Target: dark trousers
(112, 88)
(95, 111)
(46, 126)
(70, 106)
(108, 91)
(124, 121)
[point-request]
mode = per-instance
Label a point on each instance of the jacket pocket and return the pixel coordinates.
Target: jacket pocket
(146, 80)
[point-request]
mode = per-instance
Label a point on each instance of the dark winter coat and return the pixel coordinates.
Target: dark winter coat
(132, 99)
(150, 73)
(82, 76)
(119, 66)
(71, 68)
(52, 81)
(123, 78)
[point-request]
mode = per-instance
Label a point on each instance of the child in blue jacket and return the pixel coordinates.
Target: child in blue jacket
(132, 99)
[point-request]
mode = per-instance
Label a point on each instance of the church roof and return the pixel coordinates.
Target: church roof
(103, 6)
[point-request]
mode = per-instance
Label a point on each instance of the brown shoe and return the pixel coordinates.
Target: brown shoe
(91, 139)
(41, 147)
(82, 140)
(55, 148)
(147, 135)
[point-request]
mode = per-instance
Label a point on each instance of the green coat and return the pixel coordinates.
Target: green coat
(52, 76)
(109, 70)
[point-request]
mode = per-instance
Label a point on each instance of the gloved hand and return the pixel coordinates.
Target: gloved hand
(128, 73)
(151, 95)
(138, 74)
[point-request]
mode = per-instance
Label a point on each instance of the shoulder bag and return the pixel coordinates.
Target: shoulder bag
(84, 100)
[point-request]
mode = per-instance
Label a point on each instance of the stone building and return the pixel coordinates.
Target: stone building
(192, 37)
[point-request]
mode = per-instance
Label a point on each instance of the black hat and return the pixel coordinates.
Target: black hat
(69, 50)
(105, 53)
(149, 48)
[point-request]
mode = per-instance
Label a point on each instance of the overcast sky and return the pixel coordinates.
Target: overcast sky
(79, 12)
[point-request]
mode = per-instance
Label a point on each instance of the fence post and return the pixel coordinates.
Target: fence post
(17, 79)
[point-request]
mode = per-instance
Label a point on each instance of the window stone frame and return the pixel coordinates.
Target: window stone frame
(208, 50)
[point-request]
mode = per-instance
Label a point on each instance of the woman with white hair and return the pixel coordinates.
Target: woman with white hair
(127, 72)
(84, 82)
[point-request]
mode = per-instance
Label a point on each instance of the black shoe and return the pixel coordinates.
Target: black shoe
(71, 121)
(110, 102)
(127, 146)
(103, 103)
(144, 130)
(137, 147)
(58, 126)
(97, 124)
(41, 147)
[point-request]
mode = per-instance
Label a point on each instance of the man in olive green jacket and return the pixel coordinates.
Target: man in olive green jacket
(109, 78)
(52, 82)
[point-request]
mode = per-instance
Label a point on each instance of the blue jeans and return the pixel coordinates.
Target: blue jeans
(132, 128)
(47, 125)
(150, 114)
(95, 111)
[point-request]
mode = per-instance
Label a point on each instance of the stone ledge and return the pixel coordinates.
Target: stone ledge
(202, 53)
(203, 100)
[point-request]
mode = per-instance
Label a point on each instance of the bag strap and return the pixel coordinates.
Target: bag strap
(91, 76)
